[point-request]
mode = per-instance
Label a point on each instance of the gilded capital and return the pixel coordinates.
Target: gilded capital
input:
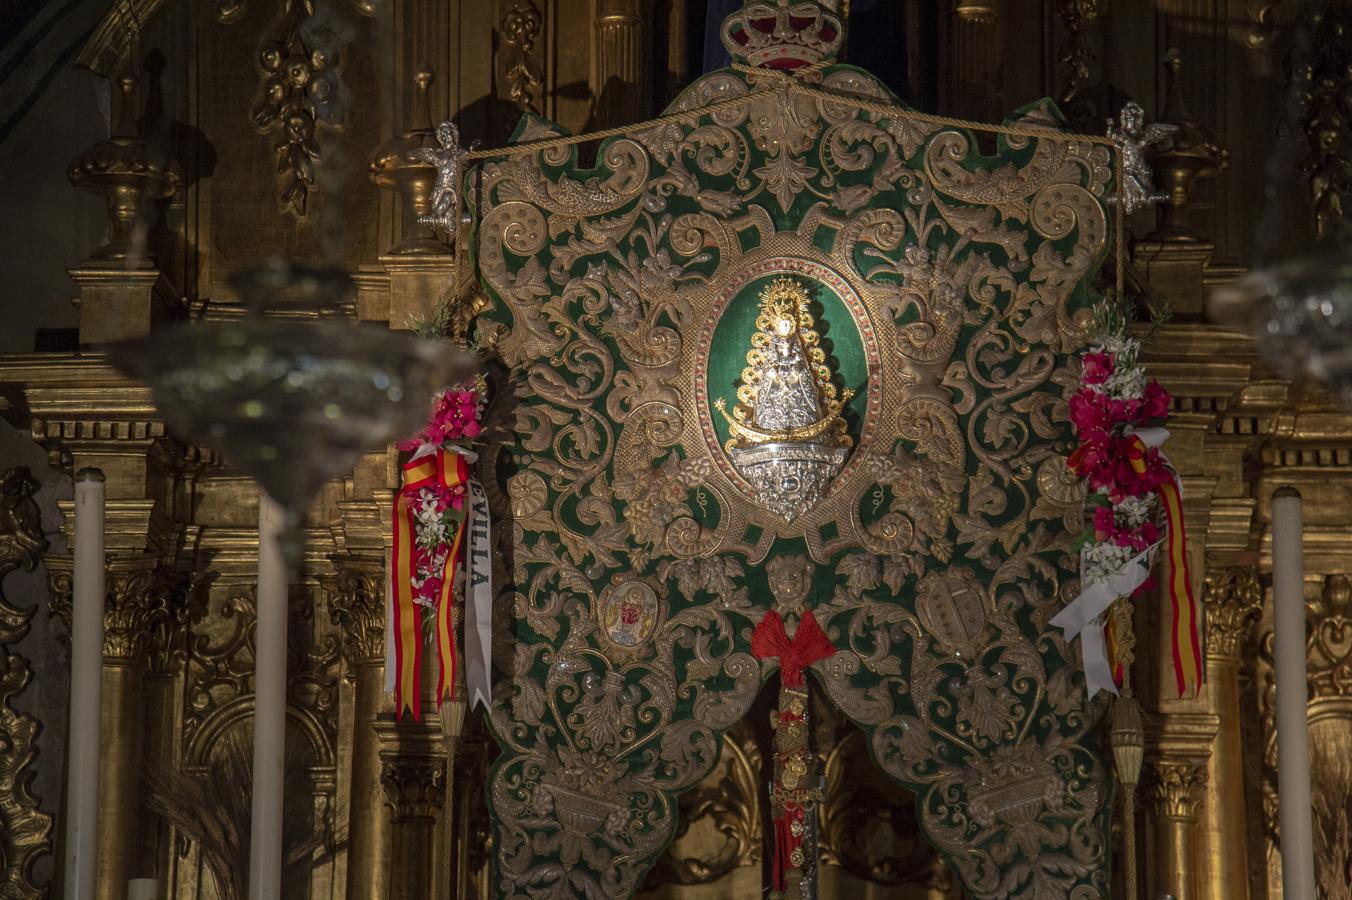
(1233, 600)
(356, 600)
(415, 786)
(1328, 651)
(1174, 788)
(136, 605)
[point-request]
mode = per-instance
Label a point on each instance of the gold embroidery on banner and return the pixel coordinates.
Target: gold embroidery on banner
(608, 305)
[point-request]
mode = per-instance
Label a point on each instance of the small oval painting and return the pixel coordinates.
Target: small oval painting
(628, 614)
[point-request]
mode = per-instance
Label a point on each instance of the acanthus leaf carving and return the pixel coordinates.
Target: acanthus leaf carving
(521, 26)
(1234, 599)
(138, 600)
(1174, 788)
(300, 91)
(1326, 79)
(356, 603)
(25, 830)
(415, 786)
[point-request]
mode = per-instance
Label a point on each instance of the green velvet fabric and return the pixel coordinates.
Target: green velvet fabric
(950, 290)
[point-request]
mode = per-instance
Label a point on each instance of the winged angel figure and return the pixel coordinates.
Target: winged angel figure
(1132, 136)
(449, 160)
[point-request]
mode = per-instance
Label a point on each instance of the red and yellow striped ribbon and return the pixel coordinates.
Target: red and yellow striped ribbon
(1186, 643)
(1112, 640)
(450, 470)
(455, 472)
(1184, 630)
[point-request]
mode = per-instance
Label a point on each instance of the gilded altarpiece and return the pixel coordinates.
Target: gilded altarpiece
(947, 283)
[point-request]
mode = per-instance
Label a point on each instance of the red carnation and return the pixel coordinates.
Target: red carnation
(1098, 367)
(1104, 523)
(1087, 412)
(1155, 402)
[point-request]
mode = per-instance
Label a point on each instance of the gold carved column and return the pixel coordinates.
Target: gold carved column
(413, 774)
(620, 81)
(135, 607)
(357, 605)
(1233, 600)
(1173, 795)
(973, 90)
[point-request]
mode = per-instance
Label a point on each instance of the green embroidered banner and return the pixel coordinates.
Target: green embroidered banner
(946, 290)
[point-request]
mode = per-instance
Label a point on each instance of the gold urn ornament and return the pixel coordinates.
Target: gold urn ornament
(788, 438)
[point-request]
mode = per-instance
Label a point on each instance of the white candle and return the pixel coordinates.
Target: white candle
(86, 685)
(143, 889)
(1293, 741)
(265, 845)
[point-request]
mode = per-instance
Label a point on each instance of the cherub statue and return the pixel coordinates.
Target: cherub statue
(1132, 136)
(449, 160)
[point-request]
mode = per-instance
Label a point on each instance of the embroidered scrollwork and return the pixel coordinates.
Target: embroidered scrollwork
(946, 285)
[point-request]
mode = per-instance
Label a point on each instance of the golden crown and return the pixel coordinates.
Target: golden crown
(783, 34)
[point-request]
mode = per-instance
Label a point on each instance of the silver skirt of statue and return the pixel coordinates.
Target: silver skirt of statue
(790, 477)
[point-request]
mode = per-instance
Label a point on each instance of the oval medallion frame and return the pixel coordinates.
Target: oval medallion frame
(628, 614)
(745, 525)
(814, 273)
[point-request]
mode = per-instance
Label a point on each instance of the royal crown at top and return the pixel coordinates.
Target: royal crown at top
(783, 34)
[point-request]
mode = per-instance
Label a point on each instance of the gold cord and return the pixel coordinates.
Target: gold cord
(1119, 228)
(792, 83)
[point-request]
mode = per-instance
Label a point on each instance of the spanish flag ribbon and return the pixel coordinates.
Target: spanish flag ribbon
(449, 470)
(1184, 630)
(1084, 617)
(1185, 638)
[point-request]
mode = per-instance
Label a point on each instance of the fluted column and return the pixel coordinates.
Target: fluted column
(1233, 600)
(1173, 795)
(356, 604)
(414, 779)
(620, 84)
(974, 47)
(136, 604)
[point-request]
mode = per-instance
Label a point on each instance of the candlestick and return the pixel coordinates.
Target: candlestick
(143, 889)
(86, 685)
(265, 843)
(1293, 741)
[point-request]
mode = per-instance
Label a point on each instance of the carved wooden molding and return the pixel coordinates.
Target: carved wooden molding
(1174, 789)
(1233, 600)
(356, 601)
(25, 831)
(415, 787)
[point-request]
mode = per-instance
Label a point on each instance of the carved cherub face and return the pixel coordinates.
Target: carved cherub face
(790, 580)
(1133, 118)
(448, 135)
